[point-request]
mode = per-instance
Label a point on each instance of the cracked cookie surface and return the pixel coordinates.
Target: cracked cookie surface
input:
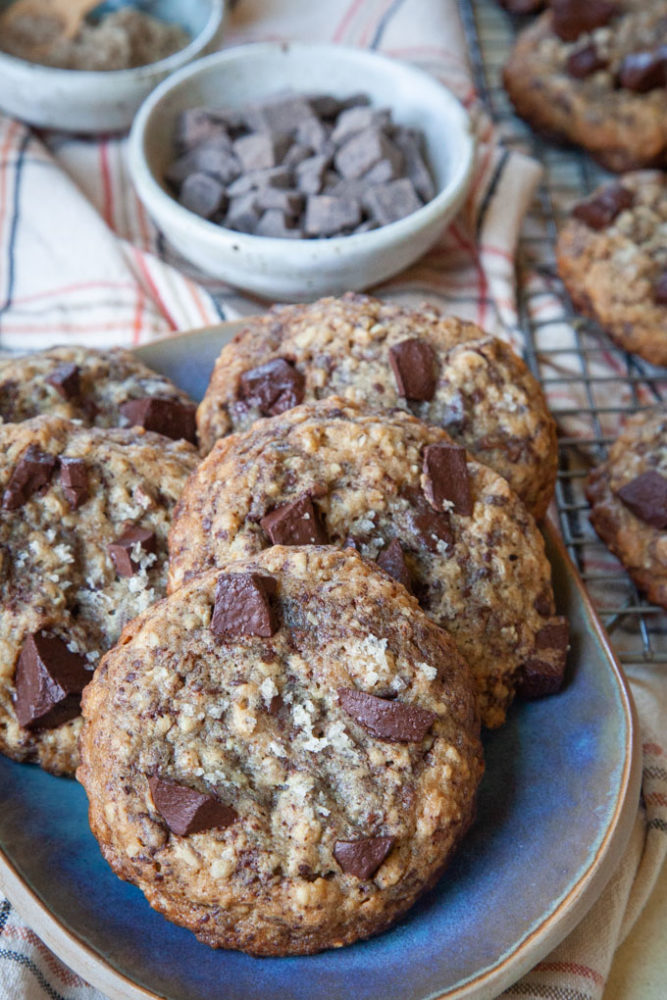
(583, 86)
(635, 530)
(335, 472)
(68, 494)
(326, 831)
(617, 273)
(466, 381)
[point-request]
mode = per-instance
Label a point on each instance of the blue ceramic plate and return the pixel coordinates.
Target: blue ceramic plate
(555, 810)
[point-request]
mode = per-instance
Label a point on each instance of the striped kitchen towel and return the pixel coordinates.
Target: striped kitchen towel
(80, 262)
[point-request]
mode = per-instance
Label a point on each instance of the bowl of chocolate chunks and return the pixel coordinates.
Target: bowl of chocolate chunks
(294, 171)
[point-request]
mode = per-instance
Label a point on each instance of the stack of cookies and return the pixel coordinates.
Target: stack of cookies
(283, 752)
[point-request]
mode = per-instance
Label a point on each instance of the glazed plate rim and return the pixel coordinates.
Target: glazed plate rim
(488, 981)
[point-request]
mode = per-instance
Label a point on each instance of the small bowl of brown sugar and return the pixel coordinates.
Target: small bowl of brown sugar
(295, 171)
(95, 80)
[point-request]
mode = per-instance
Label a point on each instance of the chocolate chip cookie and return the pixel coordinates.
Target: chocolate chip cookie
(447, 372)
(404, 494)
(594, 73)
(612, 257)
(84, 515)
(628, 496)
(283, 754)
(100, 388)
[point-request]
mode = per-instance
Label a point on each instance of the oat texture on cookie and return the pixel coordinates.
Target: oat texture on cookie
(283, 754)
(84, 516)
(384, 355)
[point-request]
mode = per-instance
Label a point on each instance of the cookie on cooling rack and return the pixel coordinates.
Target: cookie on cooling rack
(628, 496)
(101, 388)
(283, 754)
(593, 73)
(446, 372)
(84, 515)
(403, 494)
(612, 257)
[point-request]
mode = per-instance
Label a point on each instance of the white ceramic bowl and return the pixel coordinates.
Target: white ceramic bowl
(85, 101)
(298, 270)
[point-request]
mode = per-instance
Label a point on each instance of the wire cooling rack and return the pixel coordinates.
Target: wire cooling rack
(589, 381)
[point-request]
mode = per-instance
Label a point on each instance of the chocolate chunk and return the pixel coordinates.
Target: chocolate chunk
(243, 213)
(296, 523)
(281, 114)
(660, 290)
(272, 387)
(572, 18)
(196, 125)
(391, 202)
(164, 416)
(407, 140)
(363, 150)
(362, 857)
(243, 605)
(643, 71)
(392, 561)
(446, 478)
(542, 674)
(66, 380)
(49, 681)
(359, 119)
(601, 210)
(261, 150)
(413, 363)
(32, 474)
(543, 604)
(187, 811)
(327, 215)
(556, 635)
(387, 719)
(431, 527)
(584, 62)
(121, 550)
(202, 194)
(74, 481)
(310, 174)
(277, 225)
(289, 202)
(646, 497)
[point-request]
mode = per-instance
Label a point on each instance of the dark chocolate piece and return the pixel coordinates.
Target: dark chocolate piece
(272, 387)
(66, 380)
(430, 526)
(385, 719)
(49, 681)
(555, 635)
(585, 62)
(391, 201)
(646, 497)
(121, 550)
(327, 215)
(542, 674)
(295, 523)
(601, 210)
(362, 857)
(392, 561)
(164, 416)
(74, 481)
(243, 605)
(203, 195)
(413, 363)
(31, 474)
(660, 290)
(187, 811)
(447, 480)
(643, 71)
(572, 18)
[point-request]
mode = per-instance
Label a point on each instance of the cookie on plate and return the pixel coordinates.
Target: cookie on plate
(84, 516)
(283, 754)
(593, 73)
(612, 257)
(403, 494)
(628, 496)
(101, 388)
(447, 372)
